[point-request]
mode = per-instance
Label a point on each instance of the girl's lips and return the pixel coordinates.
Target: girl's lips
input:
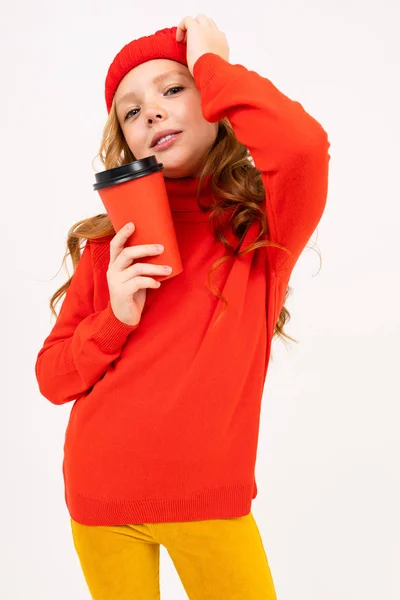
(167, 143)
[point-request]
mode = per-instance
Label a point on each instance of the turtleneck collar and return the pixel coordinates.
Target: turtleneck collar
(182, 198)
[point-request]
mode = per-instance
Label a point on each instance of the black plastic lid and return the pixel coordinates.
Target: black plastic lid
(132, 170)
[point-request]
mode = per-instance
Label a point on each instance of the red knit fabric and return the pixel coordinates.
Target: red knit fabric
(165, 422)
(161, 44)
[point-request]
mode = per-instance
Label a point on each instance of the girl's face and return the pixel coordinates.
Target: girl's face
(161, 94)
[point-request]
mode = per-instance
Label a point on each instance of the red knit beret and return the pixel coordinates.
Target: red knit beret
(161, 44)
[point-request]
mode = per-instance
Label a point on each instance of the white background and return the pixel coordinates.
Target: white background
(328, 459)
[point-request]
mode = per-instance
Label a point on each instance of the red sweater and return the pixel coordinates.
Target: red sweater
(165, 422)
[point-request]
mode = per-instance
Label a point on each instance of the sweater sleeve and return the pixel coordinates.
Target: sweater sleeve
(82, 343)
(288, 146)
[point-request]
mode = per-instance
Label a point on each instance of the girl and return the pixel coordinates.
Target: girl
(162, 438)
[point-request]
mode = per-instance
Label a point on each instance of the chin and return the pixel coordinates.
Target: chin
(177, 173)
(176, 169)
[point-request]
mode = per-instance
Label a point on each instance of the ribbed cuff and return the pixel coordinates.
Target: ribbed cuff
(111, 333)
(206, 67)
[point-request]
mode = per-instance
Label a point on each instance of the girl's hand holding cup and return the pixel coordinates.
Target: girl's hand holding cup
(127, 283)
(136, 191)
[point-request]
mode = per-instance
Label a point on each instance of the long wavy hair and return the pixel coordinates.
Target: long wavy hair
(236, 183)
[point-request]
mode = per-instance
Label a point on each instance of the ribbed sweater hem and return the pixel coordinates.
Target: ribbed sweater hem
(219, 503)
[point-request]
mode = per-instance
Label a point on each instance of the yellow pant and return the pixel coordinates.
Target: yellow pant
(218, 559)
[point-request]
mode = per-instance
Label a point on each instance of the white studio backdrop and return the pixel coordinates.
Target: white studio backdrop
(328, 461)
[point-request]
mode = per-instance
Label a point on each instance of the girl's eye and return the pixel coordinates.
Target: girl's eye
(129, 114)
(176, 87)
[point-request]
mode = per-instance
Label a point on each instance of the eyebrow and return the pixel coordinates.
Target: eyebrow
(156, 79)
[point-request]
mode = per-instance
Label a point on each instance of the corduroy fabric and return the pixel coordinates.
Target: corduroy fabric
(222, 559)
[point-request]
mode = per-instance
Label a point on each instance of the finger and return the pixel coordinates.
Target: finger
(182, 36)
(213, 24)
(180, 32)
(130, 253)
(204, 20)
(118, 241)
(141, 283)
(183, 27)
(144, 269)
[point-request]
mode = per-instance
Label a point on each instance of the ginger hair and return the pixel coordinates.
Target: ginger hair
(236, 183)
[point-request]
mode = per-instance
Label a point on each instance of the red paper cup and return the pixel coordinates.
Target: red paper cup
(136, 192)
